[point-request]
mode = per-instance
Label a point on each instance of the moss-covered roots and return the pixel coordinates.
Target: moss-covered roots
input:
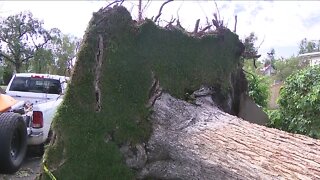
(105, 106)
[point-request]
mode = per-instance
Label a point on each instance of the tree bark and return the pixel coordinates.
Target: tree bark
(199, 141)
(17, 65)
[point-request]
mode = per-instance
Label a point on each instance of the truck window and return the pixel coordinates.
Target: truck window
(36, 85)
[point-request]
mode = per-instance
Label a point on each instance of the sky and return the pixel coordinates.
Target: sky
(277, 24)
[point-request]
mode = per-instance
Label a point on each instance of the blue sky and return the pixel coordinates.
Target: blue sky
(281, 24)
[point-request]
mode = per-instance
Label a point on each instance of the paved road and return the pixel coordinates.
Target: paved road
(28, 171)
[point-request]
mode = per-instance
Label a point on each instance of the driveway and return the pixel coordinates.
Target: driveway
(29, 170)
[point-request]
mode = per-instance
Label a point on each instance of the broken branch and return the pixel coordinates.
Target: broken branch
(170, 22)
(215, 22)
(160, 10)
(179, 25)
(251, 56)
(217, 9)
(235, 23)
(116, 1)
(196, 26)
(140, 11)
(204, 29)
(261, 43)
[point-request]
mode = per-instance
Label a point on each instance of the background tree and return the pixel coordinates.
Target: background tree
(22, 35)
(249, 44)
(270, 58)
(286, 67)
(44, 58)
(65, 53)
(299, 104)
(258, 85)
(251, 52)
(307, 46)
(271, 54)
(42, 61)
(28, 47)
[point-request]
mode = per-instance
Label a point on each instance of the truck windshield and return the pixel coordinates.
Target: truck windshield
(36, 85)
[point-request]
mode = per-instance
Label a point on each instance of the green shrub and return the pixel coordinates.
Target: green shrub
(299, 104)
(7, 75)
(258, 87)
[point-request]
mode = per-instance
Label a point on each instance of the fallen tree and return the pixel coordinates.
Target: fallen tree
(134, 110)
(200, 141)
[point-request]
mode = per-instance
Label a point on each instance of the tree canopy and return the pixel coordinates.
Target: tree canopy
(26, 46)
(307, 46)
(22, 35)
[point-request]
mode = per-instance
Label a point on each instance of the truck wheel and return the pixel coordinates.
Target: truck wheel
(13, 142)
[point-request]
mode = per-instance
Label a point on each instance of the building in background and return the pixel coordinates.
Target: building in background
(268, 70)
(313, 58)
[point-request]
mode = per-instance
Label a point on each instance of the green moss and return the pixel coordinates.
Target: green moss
(182, 64)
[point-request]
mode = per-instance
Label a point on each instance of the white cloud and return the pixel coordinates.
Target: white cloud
(282, 23)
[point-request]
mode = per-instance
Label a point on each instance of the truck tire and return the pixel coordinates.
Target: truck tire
(13, 142)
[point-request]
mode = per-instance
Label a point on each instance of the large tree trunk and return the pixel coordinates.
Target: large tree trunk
(199, 141)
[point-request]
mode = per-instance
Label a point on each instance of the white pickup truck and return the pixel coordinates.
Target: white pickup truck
(37, 97)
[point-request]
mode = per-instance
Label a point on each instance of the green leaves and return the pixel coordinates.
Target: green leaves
(27, 46)
(21, 35)
(64, 53)
(299, 103)
(308, 46)
(258, 88)
(287, 67)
